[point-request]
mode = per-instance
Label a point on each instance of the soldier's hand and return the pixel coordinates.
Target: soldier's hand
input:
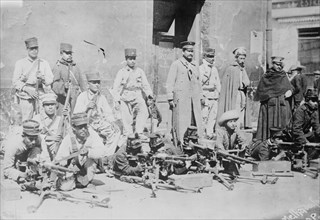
(31, 91)
(66, 85)
(288, 94)
(117, 105)
(84, 151)
(65, 112)
(203, 101)
(171, 105)
(91, 105)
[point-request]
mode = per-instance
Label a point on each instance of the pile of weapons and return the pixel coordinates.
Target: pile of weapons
(199, 164)
(45, 185)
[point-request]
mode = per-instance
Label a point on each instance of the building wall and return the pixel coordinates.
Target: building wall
(112, 25)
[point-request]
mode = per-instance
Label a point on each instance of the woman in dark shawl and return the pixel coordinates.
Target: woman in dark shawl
(273, 92)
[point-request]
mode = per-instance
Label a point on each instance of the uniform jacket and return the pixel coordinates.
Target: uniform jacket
(209, 79)
(16, 150)
(130, 83)
(25, 74)
(303, 119)
(184, 88)
(122, 166)
(227, 140)
(299, 83)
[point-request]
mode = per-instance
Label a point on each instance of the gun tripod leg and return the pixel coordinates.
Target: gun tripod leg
(34, 208)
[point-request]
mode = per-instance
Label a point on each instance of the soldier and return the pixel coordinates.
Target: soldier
(263, 150)
(234, 85)
(125, 160)
(84, 139)
(273, 92)
(184, 92)
(128, 88)
(22, 148)
(49, 122)
(317, 80)
(228, 135)
(66, 71)
(299, 83)
(32, 77)
(305, 118)
(99, 112)
(210, 89)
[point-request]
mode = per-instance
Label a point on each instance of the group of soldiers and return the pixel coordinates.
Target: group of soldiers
(68, 124)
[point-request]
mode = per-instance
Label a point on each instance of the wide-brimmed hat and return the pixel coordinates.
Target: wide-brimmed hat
(228, 115)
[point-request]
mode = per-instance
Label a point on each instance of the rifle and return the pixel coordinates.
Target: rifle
(62, 122)
(37, 106)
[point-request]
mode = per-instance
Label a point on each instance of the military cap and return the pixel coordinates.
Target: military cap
(277, 59)
(79, 119)
(240, 51)
(276, 132)
(311, 93)
(209, 52)
(66, 47)
(228, 115)
(48, 98)
(31, 42)
(133, 141)
(130, 52)
(317, 72)
(187, 44)
(92, 76)
(296, 67)
(31, 127)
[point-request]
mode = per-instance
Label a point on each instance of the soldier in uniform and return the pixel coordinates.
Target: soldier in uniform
(184, 92)
(210, 89)
(317, 80)
(32, 77)
(228, 135)
(99, 112)
(299, 83)
(234, 86)
(26, 146)
(125, 162)
(84, 139)
(65, 72)
(49, 122)
(128, 88)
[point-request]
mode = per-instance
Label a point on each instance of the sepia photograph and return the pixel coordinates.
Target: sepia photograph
(160, 109)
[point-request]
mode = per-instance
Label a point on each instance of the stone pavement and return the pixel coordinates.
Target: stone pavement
(290, 198)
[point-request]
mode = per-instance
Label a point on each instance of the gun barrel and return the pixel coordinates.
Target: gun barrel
(57, 167)
(236, 157)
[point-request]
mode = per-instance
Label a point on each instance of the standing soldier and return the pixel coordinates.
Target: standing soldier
(234, 85)
(299, 83)
(32, 77)
(184, 92)
(316, 83)
(210, 89)
(66, 72)
(130, 84)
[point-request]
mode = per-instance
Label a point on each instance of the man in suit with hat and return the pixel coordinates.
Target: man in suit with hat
(299, 83)
(184, 92)
(211, 87)
(229, 135)
(273, 92)
(130, 88)
(125, 160)
(99, 112)
(27, 146)
(234, 86)
(32, 77)
(86, 141)
(49, 122)
(66, 72)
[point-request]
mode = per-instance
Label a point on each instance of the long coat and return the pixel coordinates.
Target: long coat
(184, 88)
(275, 110)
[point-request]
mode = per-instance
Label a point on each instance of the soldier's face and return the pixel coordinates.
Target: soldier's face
(49, 108)
(33, 52)
(188, 54)
(131, 61)
(209, 59)
(81, 131)
(316, 77)
(240, 59)
(277, 66)
(30, 141)
(231, 124)
(313, 103)
(67, 56)
(94, 85)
